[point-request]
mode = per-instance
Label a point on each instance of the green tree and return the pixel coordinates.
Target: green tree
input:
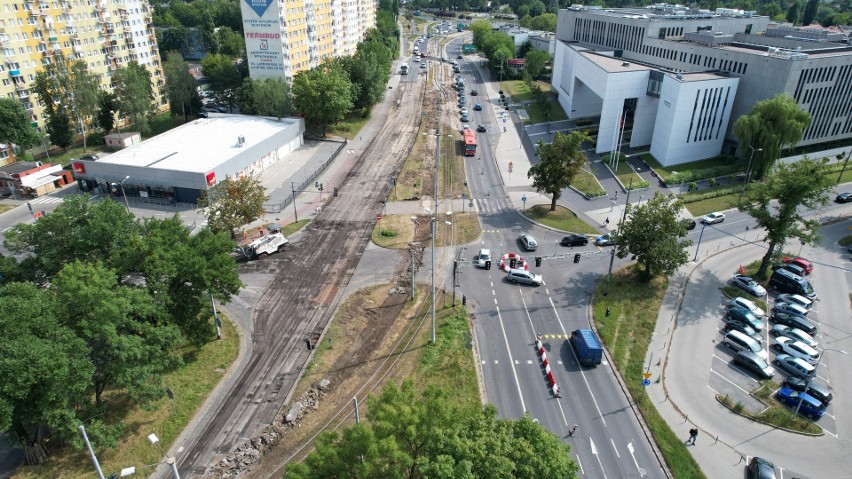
(368, 71)
(775, 203)
(172, 39)
(323, 95)
(232, 203)
(537, 8)
(46, 369)
(545, 22)
(653, 234)
(271, 97)
(810, 12)
(69, 89)
(793, 13)
(535, 60)
(106, 111)
(409, 435)
(15, 125)
(231, 43)
(559, 162)
(84, 99)
(772, 125)
(525, 21)
(225, 78)
(181, 86)
(134, 95)
(59, 128)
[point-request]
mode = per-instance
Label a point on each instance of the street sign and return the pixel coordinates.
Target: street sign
(470, 204)
(524, 198)
(646, 375)
(464, 196)
(646, 383)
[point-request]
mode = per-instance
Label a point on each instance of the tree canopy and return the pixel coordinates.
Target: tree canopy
(559, 162)
(776, 201)
(653, 234)
(408, 435)
(134, 95)
(15, 125)
(772, 125)
(232, 203)
(224, 76)
(181, 87)
(323, 94)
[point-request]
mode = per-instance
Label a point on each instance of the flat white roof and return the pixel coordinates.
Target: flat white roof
(201, 145)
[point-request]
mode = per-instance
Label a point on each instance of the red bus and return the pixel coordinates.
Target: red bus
(469, 143)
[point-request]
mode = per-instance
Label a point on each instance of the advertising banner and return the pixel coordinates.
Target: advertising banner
(263, 38)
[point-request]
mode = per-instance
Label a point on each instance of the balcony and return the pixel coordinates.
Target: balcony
(15, 73)
(35, 12)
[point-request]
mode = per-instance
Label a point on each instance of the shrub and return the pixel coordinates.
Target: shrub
(731, 178)
(388, 233)
(692, 186)
(711, 181)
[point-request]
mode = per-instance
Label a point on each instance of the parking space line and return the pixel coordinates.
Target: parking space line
(726, 379)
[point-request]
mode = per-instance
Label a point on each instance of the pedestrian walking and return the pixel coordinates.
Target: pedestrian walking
(482, 172)
(245, 234)
(260, 230)
(606, 221)
(616, 194)
(573, 430)
(693, 434)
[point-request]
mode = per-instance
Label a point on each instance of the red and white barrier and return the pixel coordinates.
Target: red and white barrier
(544, 362)
(520, 262)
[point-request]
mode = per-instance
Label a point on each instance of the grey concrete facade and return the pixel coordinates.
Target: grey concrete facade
(808, 65)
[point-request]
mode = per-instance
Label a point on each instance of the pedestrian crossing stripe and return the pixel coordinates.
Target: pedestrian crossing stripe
(556, 336)
(490, 231)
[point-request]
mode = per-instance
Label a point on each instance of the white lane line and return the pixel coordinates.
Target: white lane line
(509, 351)
(726, 379)
(630, 448)
(710, 388)
(595, 452)
(580, 463)
(615, 448)
(582, 373)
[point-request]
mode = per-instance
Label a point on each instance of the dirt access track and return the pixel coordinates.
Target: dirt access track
(310, 278)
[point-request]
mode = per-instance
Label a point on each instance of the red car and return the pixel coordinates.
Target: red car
(800, 262)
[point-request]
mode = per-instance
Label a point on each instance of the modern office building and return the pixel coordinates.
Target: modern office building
(176, 166)
(284, 37)
(106, 34)
(733, 59)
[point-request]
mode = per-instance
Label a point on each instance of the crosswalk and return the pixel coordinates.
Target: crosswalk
(492, 205)
(45, 200)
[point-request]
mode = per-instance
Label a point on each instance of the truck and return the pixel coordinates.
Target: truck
(403, 69)
(589, 349)
(264, 246)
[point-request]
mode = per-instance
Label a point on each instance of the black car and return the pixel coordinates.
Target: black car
(789, 267)
(459, 57)
(843, 198)
(689, 223)
(90, 157)
(474, 93)
(754, 363)
(480, 128)
(202, 114)
(794, 321)
(760, 468)
(574, 240)
(818, 391)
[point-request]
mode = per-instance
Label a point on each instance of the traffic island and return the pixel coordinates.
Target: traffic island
(774, 414)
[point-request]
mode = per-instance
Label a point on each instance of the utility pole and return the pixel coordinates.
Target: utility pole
(435, 223)
(295, 211)
(91, 451)
(617, 230)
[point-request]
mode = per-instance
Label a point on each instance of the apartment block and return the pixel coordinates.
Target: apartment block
(284, 37)
(105, 34)
(732, 58)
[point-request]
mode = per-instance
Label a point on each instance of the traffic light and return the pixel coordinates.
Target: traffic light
(320, 187)
(488, 264)
(316, 184)
(512, 263)
(538, 261)
(577, 258)
(464, 300)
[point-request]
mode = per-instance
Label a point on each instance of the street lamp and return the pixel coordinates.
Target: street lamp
(126, 205)
(46, 145)
(748, 174)
(170, 460)
(808, 381)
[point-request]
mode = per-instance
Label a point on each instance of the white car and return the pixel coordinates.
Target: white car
(483, 256)
(713, 218)
(795, 333)
(749, 305)
(464, 111)
(423, 65)
(797, 349)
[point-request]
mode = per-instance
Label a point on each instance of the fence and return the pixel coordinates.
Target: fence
(277, 208)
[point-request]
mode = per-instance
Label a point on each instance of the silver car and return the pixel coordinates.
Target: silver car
(530, 244)
(522, 276)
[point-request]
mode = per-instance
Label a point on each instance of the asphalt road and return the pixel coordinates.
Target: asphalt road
(609, 441)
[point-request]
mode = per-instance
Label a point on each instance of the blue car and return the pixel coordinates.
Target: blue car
(605, 240)
(811, 406)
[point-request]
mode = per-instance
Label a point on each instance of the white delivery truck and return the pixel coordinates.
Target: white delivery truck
(403, 69)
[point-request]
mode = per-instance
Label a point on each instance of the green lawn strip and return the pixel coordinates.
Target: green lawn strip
(349, 126)
(624, 172)
(291, 228)
(720, 203)
(520, 91)
(562, 219)
(537, 115)
(587, 184)
(449, 362)
(627, 334)
(204, 368)
(4, 208)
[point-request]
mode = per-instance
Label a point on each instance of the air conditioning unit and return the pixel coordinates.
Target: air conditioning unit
(241, 140)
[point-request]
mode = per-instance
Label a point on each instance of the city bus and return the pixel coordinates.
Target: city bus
(469, 143)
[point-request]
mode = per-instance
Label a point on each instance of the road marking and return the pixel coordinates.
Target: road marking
(642, 472)
(582, 373)
(580, 463)
(595, 452)
(615, 448)
(509, 351)
(726, 379)
(529, 361)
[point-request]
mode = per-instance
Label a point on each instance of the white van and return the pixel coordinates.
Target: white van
(483, 256)
(740, 342)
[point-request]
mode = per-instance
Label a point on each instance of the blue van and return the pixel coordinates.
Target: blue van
(811, 406)
(589, 349)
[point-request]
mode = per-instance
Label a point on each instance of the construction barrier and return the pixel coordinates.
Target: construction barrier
(544, 362)
(520, 262)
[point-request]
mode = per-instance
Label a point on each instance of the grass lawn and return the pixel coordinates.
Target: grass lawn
(4, 208)
(562, 219)
(537, 115)
(291, 228)
(627, 333)
(349, 126)
(520, 91)
(204, 368)
(720, 203)
(588, 184)
(776, 414)
(666, 171)
(397, 231)
(624, 172)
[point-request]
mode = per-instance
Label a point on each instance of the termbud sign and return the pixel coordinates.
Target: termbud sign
(263, 38)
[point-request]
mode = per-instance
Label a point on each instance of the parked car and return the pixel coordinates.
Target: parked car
(793, 321)
(474, 93)
(91, 157)
(222, 109)
(464, 111)
(605, 240)
(806, 404)
(789, 267)
(423, 65)
(748, 285)
(845, 197)
(734, 325)
(795, 366)
(784, 281)
(795, 299)
(795, 348)
(822, 393)
(760, 468)
(746, 316)
(465, 118)
(523, 277)
(202, 114)
(478, 107)
(754, 363)
(713, 218)
(801, 263)
(481, 128)
(790, 308)
(794, 333)
(574, 240)
(529, 243)
(689, 223)
(741, 302)
(483, 256)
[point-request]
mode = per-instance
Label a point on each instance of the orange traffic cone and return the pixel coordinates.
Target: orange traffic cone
(742, 270)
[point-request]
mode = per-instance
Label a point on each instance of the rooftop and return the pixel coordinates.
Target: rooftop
(201, 145)
(614, 65)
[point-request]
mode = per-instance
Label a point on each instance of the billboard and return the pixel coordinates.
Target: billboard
(263, 38)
